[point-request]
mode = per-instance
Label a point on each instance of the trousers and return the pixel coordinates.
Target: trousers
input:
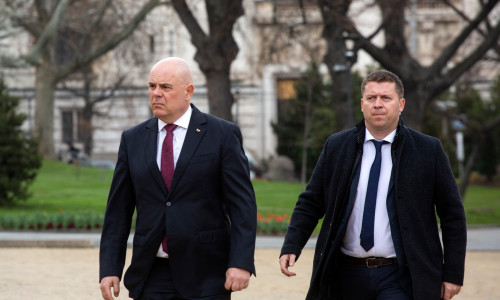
(160, 285)
(362, 283)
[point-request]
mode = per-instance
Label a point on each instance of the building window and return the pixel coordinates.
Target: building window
(67, 126)
(152, 44)
(72, 126)
(285, 92)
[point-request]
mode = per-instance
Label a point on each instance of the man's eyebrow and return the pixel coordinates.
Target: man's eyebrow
(381, 94)
(161, 83)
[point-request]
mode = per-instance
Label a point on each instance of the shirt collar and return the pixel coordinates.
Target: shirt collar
(389, 138)
(183, 121)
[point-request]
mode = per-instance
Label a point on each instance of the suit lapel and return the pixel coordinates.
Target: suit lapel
(150, 147)
(194, 135)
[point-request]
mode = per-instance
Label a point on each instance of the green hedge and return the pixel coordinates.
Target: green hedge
(45, 221)
(269, 224)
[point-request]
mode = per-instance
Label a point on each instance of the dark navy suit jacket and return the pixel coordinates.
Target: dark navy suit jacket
(209, 214)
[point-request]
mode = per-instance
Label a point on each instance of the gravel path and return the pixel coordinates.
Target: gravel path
(62, 273)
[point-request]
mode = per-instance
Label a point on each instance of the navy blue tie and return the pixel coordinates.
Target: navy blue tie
(366, 235)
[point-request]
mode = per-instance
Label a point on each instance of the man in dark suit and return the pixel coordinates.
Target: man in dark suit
(195, 228)
(379, 187)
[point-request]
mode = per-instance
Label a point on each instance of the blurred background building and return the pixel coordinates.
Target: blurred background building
(277, 41)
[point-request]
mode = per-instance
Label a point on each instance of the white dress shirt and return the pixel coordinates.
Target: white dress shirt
(179, 136)
(383, 244)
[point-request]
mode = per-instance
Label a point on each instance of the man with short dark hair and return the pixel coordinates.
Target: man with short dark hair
(379, 187)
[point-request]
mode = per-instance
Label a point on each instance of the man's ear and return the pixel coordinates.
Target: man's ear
(189, 91)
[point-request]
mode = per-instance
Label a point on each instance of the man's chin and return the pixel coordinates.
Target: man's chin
(159, 113)
(378, 120)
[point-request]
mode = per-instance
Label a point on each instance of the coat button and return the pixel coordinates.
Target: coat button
(169, 203)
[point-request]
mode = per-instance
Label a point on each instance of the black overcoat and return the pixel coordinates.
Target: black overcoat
(424, 186)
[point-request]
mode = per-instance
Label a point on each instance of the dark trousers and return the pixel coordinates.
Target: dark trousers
(160, 285)
(362, 283)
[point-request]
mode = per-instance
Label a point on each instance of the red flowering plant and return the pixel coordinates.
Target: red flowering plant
(272, 224)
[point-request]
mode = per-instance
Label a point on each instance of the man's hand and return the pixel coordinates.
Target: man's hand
(106, 284)
(237, 279)
(448, 290)
(287, 260)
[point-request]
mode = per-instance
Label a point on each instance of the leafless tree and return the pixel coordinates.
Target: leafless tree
(338, 59)
(215, 49)
(92, 94)
(422, 83)
(67, 36)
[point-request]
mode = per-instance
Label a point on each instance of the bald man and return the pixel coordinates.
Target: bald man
(186, 175)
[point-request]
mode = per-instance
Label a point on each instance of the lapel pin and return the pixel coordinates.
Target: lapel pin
(197, 130)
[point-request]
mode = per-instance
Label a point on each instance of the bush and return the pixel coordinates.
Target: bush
(272, 224)
(267, 224)
(19, 157)
(44, 221)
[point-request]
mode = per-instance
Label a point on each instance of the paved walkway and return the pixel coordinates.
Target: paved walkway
(479, 239)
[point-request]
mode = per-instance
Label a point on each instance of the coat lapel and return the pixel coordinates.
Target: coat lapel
(150, 143)
(194, 135)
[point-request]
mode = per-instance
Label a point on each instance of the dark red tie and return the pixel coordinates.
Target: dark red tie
(167, 164)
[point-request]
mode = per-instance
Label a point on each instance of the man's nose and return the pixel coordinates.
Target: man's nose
(377, 102)
(157, 91)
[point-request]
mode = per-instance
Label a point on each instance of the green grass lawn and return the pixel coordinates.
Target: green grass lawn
(482, 205)
(67, 188)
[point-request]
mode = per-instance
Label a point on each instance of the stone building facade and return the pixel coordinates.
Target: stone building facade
(275, 43)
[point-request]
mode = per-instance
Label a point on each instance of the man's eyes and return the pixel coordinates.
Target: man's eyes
(162, 86)
(373, 98)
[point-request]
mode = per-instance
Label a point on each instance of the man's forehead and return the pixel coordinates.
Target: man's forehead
(160, 78)
(380, 87)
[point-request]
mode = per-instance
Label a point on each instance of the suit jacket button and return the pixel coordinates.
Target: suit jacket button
(169, 203)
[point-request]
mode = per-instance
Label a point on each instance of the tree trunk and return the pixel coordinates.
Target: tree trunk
(307, 132)
(44, 113)
(88, 131)
(220, 98)
(335, 58)
(341, 86)
(216, 51)
(423, 83)
(471, 163)
(50, 23)
(416, 102)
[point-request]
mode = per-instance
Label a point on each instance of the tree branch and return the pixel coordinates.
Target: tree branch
(492, 124)
(478, 29)
(95, 25)
(106, 95)
(198, 36)
(380, 55)
(82, 60)
(75, 91)
(441, 62)
(475, 56)
(30, 27)
(35, 56)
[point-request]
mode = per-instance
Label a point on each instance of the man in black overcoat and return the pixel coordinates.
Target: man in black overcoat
(381, 188)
